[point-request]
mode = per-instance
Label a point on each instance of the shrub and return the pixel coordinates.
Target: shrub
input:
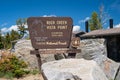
(9, 75)
(11, 66)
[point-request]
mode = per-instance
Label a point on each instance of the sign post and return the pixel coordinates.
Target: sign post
(51, 35)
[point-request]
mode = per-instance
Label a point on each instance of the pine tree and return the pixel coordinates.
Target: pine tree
(21, 26)
(94, 22)
(1, 40)
(14, 35)
(7, 41)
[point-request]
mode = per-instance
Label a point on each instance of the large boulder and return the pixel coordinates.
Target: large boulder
(95, 49)
(22, 51)
(109, 67)
(73, 69)
(91, 48)
(117, 77)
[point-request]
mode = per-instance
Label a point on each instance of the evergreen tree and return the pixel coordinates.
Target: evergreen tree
(21, 26)
(1, 40)
(7, 41)
(14, 35)
(94, 22)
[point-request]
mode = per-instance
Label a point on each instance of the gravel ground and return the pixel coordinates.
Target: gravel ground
(29, 77)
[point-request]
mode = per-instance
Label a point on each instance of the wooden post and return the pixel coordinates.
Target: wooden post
(39, 63)
(72, 55)
(38, 58)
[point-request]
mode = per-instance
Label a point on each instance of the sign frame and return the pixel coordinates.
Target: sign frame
(50, 32)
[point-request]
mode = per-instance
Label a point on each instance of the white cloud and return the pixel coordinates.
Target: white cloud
(76, 29)
(49, 16)
(13, 27)
(83, 21)
(26, 26)
(4, 29)
(116, 26)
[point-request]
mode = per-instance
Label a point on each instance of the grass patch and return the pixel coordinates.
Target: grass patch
(35, 71)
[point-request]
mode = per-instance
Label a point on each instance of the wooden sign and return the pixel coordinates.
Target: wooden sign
(50, 32)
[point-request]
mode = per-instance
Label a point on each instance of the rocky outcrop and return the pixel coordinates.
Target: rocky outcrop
(73, 69)
(109, 67)
(117, 77)
(92, 48)
(22, 51)
(95, 49)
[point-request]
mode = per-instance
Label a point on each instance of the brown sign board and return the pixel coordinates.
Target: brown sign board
(50, 32)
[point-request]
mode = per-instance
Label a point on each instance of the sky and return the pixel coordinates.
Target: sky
(78, 10)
